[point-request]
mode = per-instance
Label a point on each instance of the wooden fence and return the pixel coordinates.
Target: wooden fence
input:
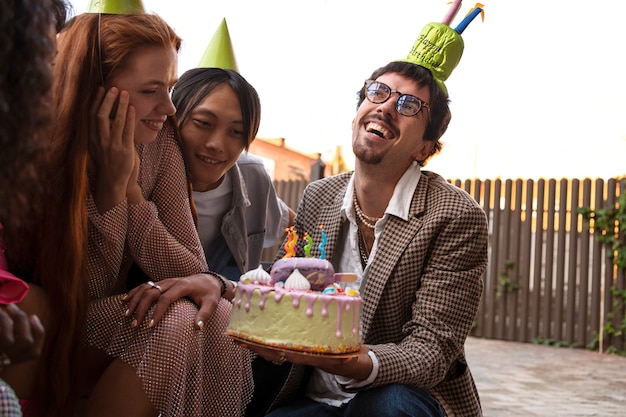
(548, 278)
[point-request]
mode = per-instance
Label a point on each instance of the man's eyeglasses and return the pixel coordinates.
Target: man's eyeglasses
(406, 105)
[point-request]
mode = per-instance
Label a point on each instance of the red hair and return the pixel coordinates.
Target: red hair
(91, 49)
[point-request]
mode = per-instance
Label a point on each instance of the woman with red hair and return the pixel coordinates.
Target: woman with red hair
(118, 169)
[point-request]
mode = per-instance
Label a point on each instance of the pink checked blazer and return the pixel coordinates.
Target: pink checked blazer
(423, 289)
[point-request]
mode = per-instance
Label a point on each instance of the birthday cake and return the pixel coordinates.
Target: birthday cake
(300, 305)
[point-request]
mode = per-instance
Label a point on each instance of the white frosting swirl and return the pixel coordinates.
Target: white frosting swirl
(297, 281)
(258, 275)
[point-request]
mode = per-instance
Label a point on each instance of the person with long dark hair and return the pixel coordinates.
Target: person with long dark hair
(36, 368)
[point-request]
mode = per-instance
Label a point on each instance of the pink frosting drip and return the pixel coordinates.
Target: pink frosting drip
(344, 302)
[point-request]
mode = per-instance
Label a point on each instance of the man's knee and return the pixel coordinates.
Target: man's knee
(394, 400)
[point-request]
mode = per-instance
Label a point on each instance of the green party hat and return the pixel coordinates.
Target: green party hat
(439, 47)
(219, 53)
(116, 7)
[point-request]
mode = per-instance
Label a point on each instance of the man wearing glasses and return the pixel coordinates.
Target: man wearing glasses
(418, 246)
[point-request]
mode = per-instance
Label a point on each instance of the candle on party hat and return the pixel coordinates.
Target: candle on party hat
(475, 11)
(454, 9)
(439, 47)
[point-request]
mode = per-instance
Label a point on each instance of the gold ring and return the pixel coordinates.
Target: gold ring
(281, 359)
(156, 287)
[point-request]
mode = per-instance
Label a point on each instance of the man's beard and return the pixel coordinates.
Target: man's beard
(366, 155)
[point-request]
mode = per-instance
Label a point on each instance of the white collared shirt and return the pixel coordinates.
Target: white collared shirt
(324, 387)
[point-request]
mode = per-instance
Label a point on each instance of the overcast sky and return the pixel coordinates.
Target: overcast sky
(539, 92)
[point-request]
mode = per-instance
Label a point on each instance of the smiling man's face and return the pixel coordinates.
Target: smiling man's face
(381, 134)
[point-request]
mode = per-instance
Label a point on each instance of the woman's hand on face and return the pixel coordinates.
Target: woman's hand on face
(111, 146)
(202, 289)
(21, 336)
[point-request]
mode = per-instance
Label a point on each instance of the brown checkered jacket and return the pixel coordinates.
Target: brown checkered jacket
(423, 289)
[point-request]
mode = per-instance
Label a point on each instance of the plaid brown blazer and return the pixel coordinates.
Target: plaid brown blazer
(423, 288)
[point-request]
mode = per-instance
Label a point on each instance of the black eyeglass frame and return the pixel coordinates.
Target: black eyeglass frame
(401, 98)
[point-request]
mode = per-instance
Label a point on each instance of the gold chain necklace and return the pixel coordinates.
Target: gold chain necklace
(365, 254)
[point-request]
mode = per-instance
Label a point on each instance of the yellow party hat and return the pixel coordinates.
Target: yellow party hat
(219, 53)
(116, 7)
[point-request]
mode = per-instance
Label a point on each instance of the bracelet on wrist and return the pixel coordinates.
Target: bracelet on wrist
(220, 279)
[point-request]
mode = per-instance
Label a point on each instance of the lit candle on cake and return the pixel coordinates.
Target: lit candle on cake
(290, 245)
(307, 247)
(323, 243)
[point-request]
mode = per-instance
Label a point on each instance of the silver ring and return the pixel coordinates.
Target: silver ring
(156, 287)
(281, 359)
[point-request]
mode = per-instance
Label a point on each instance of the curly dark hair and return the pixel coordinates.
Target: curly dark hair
(27, 49)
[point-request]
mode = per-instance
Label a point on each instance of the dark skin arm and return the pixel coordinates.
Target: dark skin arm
(21, 336)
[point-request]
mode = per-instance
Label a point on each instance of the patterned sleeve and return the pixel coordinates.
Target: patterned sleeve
(107, 237)
(444, 304)
(162, 237)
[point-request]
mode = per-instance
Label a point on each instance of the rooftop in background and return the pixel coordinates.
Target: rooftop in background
(284, 164)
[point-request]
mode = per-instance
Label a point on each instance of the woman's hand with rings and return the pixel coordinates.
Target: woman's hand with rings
(156, 287)
(202, 289)
(140, 299)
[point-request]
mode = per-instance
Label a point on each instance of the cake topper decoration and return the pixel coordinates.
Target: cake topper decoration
(116, 7)
(439, 47)
(219, 53)
(297, 281)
